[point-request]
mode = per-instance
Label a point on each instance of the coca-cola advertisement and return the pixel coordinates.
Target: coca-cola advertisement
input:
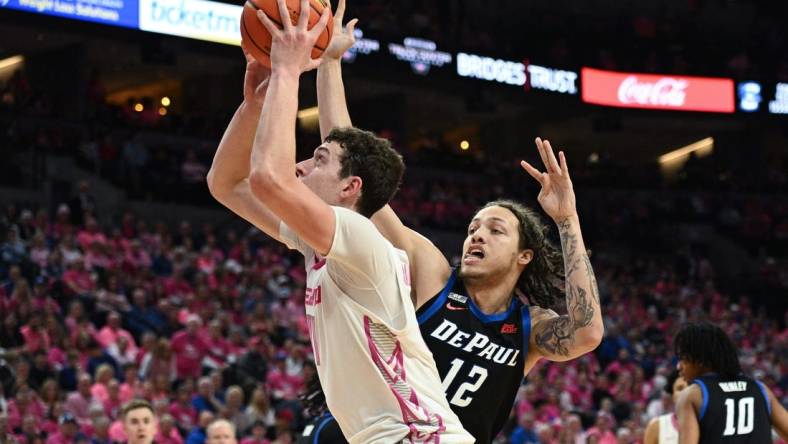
(654, 91)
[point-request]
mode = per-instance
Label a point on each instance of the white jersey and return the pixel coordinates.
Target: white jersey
(379, 378)
(668, 429)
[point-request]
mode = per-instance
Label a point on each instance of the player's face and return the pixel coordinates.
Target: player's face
(221, 434)
(492, 244)
(688, 370)
(140, 426)
(320, 173)
(678, 385)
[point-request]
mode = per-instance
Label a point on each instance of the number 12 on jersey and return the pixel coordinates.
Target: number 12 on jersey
(464, 394)
(745, 414)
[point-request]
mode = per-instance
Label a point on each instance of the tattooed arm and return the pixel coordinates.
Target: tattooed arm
(554, 337)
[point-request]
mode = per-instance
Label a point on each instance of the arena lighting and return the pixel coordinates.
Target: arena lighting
(307, 113)
(162, 111)
(702, 147)
(165, 101)
(138, 107)
(11, 62)
(464, 145)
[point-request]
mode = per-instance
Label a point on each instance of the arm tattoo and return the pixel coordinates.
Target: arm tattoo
(556, 335)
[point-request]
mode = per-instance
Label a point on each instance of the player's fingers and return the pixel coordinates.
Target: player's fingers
(340, 14)
(284, 15)
(553, 166)
(540, 148)
(564, 166)
(351, 28)
(269, 24)
(532, 171)
(303, 18)
(314, 64)
(321, 25)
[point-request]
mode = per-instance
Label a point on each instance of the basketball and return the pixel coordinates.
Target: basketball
(257, 39)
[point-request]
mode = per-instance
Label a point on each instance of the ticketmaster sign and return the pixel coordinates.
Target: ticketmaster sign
(196, 19)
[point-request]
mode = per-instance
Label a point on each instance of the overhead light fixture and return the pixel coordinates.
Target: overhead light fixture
(11, 62)
(702, 147)
(138, 107)
(165, 101)
(464, 145)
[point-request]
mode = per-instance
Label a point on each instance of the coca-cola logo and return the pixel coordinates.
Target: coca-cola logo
(666, 91)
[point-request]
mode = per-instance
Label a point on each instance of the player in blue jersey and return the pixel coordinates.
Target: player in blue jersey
(721, 404)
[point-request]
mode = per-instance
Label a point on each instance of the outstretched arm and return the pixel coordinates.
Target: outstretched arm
(228, 179)
(560, 338)
(429, 268)
(273, 179)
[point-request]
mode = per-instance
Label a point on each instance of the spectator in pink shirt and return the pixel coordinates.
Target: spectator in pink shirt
(283, 386)
(68, 432)
(104, 374)
(257, 435)
(160, 360)
(77, 279)
(131, 387)
(78, 403)
(218, 347)
(91, 234)
(110, 333)
(25, 403)
(168, 433)
(190, 349)
(603, 429)
(36, 337)
(182, 409)
(113, 403)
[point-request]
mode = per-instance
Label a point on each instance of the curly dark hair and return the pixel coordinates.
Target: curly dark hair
(372, 159)
(542, 279)
(705, 344)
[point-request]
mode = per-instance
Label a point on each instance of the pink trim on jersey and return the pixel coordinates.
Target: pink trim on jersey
(394, 370)
(318, 263)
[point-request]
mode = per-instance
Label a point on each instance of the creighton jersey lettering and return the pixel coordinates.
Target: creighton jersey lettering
(734, 411)
(480, 357)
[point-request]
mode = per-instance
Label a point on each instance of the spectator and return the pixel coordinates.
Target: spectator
(206, 397)
(78, 403)
(68, 432)
(233, 408)
(168, 433)
(525, 432)
(101, 431)
(182, 408)
(221, 431)
(83, 202)
(159, 361)
(109, 335)
(198, 436)
(190, 349)
(259, 410)
(256, 434)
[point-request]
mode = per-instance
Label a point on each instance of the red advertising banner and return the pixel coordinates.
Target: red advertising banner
(654, 91)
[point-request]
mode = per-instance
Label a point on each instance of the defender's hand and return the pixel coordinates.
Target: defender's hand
(557, 196)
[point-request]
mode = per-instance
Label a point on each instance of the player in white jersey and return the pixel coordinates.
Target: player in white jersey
(379, 378)
(664, 429)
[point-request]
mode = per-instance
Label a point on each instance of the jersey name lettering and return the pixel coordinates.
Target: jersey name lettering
(479, 344)
(735, 386)
(313, 296)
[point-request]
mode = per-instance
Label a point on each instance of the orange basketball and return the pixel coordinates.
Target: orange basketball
(257, 39)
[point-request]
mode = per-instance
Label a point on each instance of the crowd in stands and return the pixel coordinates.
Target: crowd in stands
(209, 324)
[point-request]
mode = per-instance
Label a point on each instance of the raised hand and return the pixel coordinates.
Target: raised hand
(255, 79)
(557, 196)
(342, 38)
(291, 46)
